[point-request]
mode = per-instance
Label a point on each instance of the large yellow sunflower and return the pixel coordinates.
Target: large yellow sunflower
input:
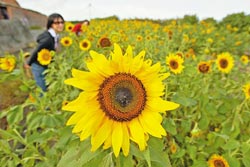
(217, 161)
(8, 63)
(44, 56)
(121, 100)
(175, 63)
(225, 62)
(246, 89)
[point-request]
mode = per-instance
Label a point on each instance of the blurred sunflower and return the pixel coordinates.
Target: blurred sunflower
(244, 59)
(85, 44)
(44, 57)
(204, 67)
(104, 42)
(170, 34)
(217, 161)
(120, 101)
(115, 37)
(238, 43)
(69, 26)
(185, 37)
(210, 40)
(175, 63)
(173, 147)
(225, 62)
(66, 41)
(148, 37)
(8, 63)
(190, 54)
(31, 98)
(246, 89)
(139, 38)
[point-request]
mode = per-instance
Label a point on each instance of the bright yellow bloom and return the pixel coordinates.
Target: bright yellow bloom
(217, 161)
(246, 89)
(85, 44)
(121, 100)
(244, 59)
(225, 62)
(66, 41)
(175, 63)
(8, 63)
(44, 57)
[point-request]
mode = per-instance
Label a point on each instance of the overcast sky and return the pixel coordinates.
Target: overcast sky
(152, 9)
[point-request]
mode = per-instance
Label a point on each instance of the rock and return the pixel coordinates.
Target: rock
(14, 35)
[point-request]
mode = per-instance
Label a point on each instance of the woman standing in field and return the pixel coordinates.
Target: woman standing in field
(47, 40)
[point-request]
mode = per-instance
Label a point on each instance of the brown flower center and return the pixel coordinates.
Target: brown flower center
(223, 63)
(122, 97)
(174, 64)
(85, 44)
(105, 42)
(66, 42)
(204, 68)
(219, 163)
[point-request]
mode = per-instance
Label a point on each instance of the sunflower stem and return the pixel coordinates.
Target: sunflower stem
(118, 162)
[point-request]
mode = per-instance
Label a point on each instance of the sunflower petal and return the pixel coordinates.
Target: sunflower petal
(125, 143)
(83, 99)
(160, 105)
(151, 122)
(91, 126)
(138, 62)
(99, 64)
(137, 133)
(101, 134)
(117, 136)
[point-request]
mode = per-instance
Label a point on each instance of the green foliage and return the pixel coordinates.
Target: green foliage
(239, 20)
(213, 117)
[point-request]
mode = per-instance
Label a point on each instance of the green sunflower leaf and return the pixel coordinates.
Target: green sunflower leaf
(246, 160)
(184, 101)
(231, 144)
(157, 154)
(15, 115)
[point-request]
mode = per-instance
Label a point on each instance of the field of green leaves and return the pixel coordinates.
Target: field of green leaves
(202, 65)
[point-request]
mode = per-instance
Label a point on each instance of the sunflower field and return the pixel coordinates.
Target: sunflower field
(134, 93)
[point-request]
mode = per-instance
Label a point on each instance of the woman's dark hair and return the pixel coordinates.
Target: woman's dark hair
(86, 21)
(51, 19)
